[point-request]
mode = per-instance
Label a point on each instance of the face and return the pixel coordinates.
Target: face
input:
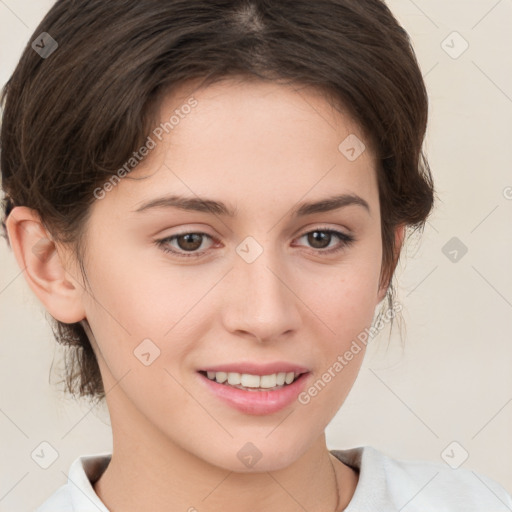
(176, 291)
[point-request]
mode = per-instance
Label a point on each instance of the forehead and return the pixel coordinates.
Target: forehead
(258, 141)
(253, 107)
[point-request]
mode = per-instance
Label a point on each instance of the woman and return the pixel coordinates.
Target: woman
(210, 199)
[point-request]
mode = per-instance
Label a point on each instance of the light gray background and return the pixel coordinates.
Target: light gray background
(453, 381)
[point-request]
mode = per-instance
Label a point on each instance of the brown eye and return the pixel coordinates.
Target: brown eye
(187, 244)
(320, 239)
(189, 241)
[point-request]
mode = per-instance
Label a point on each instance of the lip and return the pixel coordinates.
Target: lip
(256, 402)
(256, 369)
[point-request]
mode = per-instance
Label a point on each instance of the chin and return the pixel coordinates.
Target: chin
(259, 455)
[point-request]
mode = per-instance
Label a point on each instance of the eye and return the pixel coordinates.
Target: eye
(189, 242)
(321, 237)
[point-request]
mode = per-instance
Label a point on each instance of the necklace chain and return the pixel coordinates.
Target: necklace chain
(337, 487)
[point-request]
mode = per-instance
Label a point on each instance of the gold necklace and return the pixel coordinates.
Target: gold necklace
(337, 487)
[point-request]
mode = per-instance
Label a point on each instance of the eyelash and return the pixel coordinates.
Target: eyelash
(346, 241)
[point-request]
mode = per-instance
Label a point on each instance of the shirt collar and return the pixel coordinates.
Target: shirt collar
(83, 473)
(371, 494)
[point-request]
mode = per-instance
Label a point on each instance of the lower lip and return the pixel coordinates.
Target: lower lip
(257, 402)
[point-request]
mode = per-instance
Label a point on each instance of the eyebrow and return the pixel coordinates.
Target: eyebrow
(219, 208)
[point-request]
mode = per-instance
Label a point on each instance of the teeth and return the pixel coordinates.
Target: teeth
(253, 381)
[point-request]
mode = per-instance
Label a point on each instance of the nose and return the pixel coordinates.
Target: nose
(259, 300)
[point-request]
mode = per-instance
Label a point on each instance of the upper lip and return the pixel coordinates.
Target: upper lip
(257, 369)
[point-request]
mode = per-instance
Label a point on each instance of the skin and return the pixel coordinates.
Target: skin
(262, 148)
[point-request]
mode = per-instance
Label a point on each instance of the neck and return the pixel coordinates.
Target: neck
(171, 478)
(151, 471)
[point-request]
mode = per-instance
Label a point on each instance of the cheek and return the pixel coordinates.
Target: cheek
(344, 296)
(138, 298)
(138, 292)
(347, 308)
(344, 309)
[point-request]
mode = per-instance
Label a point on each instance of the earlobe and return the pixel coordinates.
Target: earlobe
(44, 269)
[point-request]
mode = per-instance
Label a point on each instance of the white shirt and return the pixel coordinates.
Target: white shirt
(385, 485)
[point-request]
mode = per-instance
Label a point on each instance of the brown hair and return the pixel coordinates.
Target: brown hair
(73, 118)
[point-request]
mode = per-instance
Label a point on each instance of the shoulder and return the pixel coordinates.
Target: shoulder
(435, 484)
(419, 485)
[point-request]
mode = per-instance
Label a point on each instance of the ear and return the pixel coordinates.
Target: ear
(399, 239)
(44, 265)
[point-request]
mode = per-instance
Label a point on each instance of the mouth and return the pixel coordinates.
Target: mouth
(252, 393)
(253, 382)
